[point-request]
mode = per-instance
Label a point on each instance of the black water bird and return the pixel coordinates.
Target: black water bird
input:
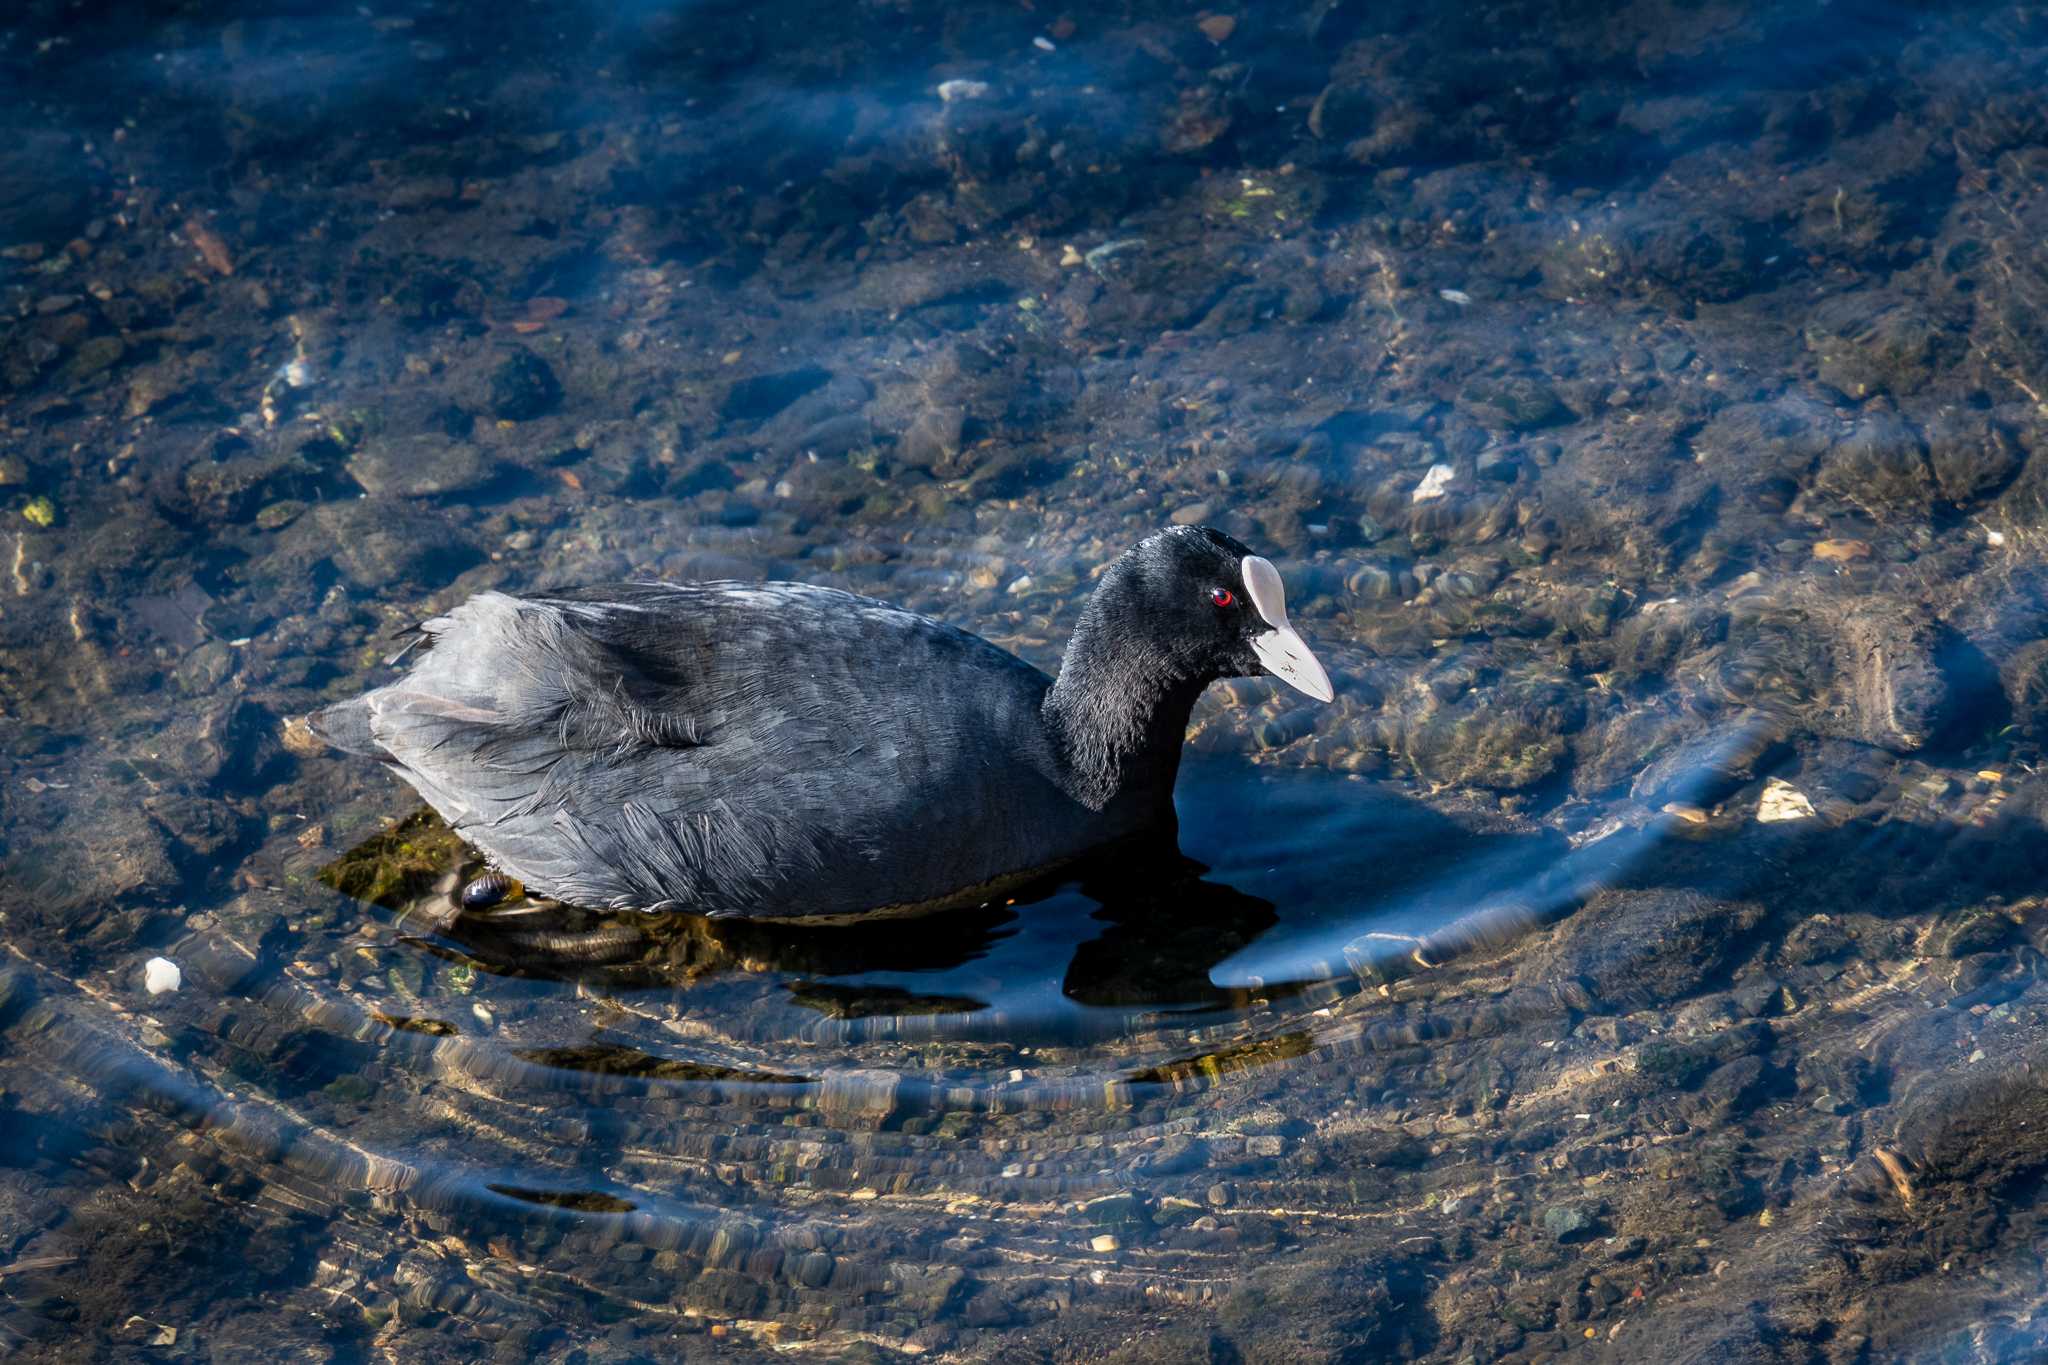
(776, 750)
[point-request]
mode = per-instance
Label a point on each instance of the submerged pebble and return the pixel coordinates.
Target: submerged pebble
(1434, 483)
(1781, 802)
(1754, 546)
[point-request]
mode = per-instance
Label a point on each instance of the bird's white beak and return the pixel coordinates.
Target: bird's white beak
(1281, 650)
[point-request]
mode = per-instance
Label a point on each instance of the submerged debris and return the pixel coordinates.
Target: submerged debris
(160, 974)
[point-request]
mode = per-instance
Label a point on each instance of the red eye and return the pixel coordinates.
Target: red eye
(1221, 596)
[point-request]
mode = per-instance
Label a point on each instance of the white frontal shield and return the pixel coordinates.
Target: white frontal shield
(1283, 652)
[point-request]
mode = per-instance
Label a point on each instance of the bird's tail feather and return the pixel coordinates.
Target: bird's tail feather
(346, 726)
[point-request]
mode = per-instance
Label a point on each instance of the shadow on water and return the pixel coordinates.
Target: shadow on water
(1290, 862)
(1314, 886)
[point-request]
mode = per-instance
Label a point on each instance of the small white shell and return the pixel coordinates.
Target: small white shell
(160, 974)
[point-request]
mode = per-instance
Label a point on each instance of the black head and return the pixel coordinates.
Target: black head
(1208, 608)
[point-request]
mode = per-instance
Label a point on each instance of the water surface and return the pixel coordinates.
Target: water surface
(1646, 406)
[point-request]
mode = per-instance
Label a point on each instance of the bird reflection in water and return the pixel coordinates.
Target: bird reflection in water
(1294, 866)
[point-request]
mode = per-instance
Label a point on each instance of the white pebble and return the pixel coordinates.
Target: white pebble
(962, 90)
(160, 974)
(1434, 483)
(1457, 296)
(1043, 44)
(1783, 801)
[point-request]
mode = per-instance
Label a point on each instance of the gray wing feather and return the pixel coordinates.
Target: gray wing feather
(524, 731)
(723, 747)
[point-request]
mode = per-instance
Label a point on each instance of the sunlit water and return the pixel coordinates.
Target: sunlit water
(1646, 406)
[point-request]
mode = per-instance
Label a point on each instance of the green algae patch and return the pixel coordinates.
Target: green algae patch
(398, 866)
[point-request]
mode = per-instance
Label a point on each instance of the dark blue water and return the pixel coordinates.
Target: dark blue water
(1646, 406)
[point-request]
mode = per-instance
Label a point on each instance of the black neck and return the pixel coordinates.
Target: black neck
(1118, 712)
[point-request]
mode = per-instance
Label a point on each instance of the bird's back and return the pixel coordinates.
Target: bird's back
(760, 749)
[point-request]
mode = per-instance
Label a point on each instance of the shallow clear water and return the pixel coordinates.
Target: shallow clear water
(1646, 405)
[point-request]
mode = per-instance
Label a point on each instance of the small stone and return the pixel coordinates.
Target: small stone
(1434, 483)
(278, 515)
(950, 91)
(1782, 801)
(867, 1092)
(95, 356)
(523, 387)
(1691, 815)
(934, 440)
(1218, 1195)
(1500, 466)
(1344, 110)
(1071, 256)
(160, 974)
(300, 740)
(1569, 1222)
(209, 244)
(1104, 1243)
(1194, 514)
(1265, 1145)
(1217, 28)
(1370, 581)
(1978, 929)
(1516, 403)
(759, 397)
(1841, 551)
(40, 512)
(421, 466)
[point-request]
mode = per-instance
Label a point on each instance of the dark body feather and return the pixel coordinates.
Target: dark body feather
(758, 749)
(783, 751)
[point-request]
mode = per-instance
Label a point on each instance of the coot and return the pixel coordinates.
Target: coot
(775, 750)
